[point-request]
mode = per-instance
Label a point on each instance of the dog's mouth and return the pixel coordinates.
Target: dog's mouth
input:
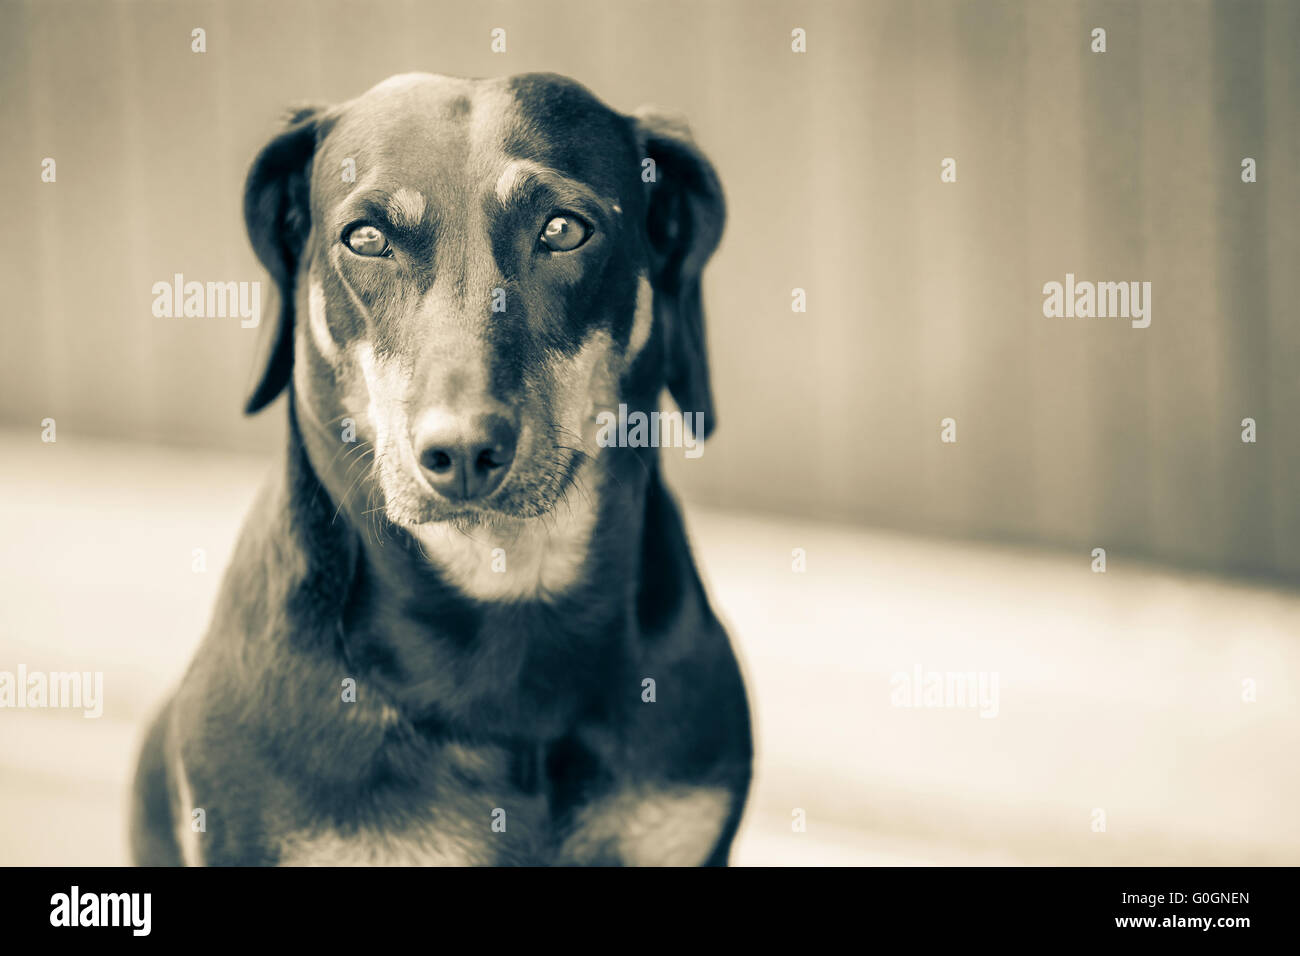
(538, 488)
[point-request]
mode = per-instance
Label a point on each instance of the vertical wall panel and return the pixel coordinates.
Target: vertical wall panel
(1185, 424)
(1065, 443)
(1281, 250)
(1241, 300)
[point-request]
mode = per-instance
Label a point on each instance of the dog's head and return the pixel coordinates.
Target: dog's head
(470, 272)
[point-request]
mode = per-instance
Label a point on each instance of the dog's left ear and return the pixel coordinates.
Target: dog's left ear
(684, 218)
(277, 212)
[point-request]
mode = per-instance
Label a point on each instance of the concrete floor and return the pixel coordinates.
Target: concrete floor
(1119, 691)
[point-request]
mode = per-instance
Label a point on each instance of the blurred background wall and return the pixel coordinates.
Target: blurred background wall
(1167, 697)
(924, 298)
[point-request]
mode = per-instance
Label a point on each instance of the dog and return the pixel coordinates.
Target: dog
(456, 629)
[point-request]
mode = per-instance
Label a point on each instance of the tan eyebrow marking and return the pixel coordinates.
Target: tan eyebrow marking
(406, 208)
(515, 176)
(520, 175)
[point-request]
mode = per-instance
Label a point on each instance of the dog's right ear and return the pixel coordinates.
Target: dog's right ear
(686, 212)
(277, 212)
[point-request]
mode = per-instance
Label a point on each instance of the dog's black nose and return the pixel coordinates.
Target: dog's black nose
(464, 460)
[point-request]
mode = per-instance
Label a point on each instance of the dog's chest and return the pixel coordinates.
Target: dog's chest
(632, 826)
(422, 846)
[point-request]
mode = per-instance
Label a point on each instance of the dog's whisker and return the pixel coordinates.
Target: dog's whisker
(341, 456)
(353, 485)
(603, 461)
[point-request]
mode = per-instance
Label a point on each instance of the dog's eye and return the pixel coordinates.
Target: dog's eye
(366, 241)
(564, 233)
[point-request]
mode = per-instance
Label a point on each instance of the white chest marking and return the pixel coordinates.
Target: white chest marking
(418, 847)
(678, 826)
